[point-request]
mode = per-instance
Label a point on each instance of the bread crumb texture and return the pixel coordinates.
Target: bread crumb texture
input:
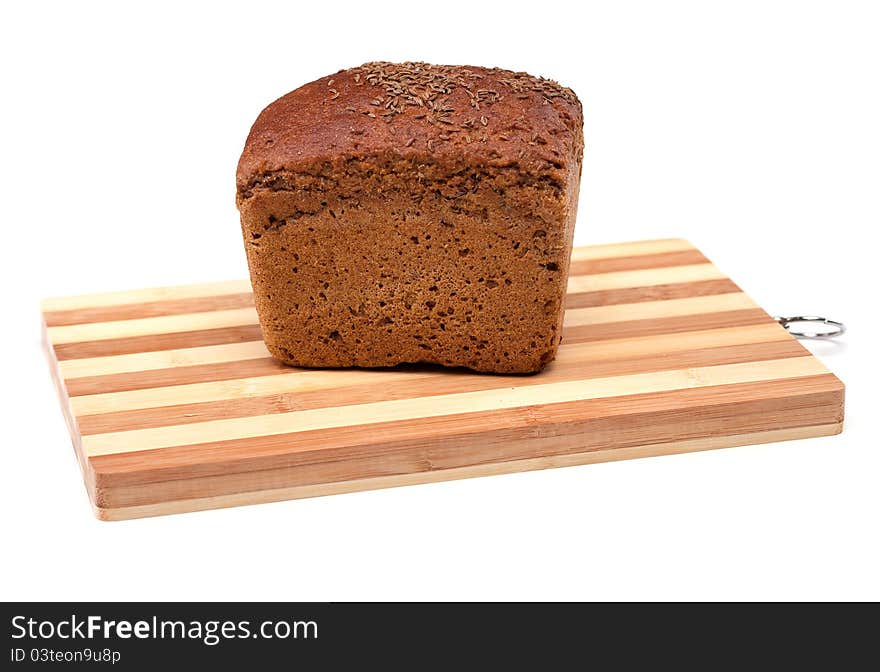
(410, 212)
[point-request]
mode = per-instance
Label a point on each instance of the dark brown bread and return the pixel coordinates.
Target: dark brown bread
(413, 213)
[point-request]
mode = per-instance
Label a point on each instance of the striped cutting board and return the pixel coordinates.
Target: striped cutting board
(174, 404)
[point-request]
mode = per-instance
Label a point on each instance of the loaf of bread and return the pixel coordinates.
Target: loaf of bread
(407, 212)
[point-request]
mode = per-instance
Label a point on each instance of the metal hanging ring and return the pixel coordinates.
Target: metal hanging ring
(788, 323)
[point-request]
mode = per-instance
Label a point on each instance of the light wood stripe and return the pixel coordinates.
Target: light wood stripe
(630, 249)
(163, 359)
(664, 325)
(648, 310)
(146, 295)
(248, 368)
(642, 278)
(467, 402)
(266, 496)
(615, 264)
(296, 381)
(595, 423)
(116, 401)
(299, 380)
(236, 352)
(219, 319)
(156, 295)
(158, 342)
(131, 311)
(251, 332)
(678, 290)
(199, 304)
(367, 390)
(199, 373)
(148, 326)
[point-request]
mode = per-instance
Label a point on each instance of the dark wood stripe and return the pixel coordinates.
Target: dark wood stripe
(441, 382)
(679, 290)
(435, 443)
(154, 342)
(637, 262)
(130, 311)
(664, 325)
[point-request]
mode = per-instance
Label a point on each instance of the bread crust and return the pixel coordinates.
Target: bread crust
(413, 213)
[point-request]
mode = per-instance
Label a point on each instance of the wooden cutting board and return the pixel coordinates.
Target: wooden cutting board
(174, 404)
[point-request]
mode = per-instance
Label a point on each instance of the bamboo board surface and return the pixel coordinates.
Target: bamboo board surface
(174, 404)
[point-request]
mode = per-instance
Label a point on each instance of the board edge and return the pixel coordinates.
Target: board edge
(457, 473)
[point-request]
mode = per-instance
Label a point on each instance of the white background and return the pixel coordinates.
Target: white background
(751, 128)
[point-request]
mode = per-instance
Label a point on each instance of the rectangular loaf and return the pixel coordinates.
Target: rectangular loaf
(410, 212)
